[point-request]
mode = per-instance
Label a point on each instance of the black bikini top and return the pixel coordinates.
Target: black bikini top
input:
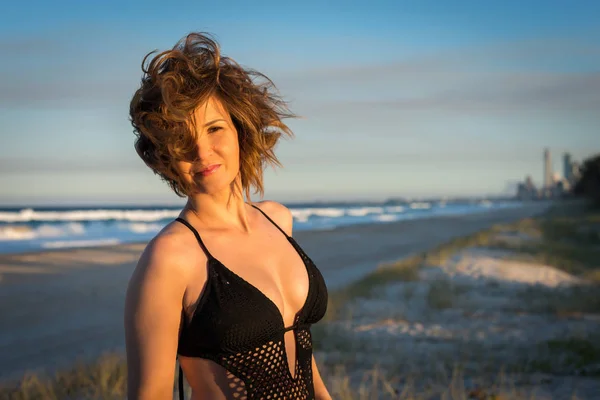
(240, 328)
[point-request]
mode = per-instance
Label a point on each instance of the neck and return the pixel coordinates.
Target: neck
(220, 211)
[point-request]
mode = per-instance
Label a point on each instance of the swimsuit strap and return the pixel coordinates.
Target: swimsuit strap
(183, 221)
(273, 222)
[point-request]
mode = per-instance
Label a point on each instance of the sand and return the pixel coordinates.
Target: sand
(63, 305)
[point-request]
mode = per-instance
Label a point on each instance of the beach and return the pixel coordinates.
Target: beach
(60, 306)
(510, 312)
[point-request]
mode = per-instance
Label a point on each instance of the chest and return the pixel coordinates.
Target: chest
(268, 262)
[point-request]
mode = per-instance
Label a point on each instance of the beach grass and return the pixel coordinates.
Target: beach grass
(404, 270)
(105, 378)
(579, 356)
(566, 237)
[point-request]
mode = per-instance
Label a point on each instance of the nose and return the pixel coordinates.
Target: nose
(203, 150)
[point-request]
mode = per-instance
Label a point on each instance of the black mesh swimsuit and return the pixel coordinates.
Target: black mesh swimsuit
(240, 328)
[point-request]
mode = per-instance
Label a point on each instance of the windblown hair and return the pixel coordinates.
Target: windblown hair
(176, 82)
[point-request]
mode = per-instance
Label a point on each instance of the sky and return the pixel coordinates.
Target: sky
(397, 99)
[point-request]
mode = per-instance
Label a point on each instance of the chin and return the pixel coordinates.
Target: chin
(213, 187)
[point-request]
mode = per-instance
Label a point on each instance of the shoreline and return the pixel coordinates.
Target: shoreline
(66, 304)
(114, 239)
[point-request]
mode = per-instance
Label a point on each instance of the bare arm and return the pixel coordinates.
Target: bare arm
(152, 316)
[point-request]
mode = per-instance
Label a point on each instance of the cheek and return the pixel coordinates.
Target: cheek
(231, 147)
(183, 169)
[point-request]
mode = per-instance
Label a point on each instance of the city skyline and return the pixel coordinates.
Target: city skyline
(555, 183)
(413, 99)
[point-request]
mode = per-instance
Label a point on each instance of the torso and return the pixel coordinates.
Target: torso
(268, 261)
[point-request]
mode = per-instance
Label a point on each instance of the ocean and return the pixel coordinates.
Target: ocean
(29, 229)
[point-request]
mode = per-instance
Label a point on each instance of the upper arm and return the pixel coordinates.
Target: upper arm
(152, 318)
(280, 214)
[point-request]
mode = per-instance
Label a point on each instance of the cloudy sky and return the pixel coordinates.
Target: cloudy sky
(399, 98)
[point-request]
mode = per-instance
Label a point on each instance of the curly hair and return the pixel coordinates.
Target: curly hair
(176, 82)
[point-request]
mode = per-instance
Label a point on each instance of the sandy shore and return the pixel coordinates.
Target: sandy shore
(60, 306)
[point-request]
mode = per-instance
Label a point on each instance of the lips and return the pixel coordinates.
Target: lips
(209, 170)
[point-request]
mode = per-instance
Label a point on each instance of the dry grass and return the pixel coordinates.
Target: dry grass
(442, 294)
(565, 302)
(573, 355)
(568, 239)
(104, 379)
(375, 383)
(406, 270)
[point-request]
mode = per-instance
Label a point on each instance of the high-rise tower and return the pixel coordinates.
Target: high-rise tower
(547, 169)
(567, 167)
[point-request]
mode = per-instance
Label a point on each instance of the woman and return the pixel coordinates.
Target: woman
(224, 287)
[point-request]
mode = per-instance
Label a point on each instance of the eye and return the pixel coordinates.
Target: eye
(213, 129)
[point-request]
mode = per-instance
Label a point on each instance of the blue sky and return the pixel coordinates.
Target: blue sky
(417, 98)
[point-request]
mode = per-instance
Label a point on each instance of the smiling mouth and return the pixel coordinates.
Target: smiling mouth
(209, 170)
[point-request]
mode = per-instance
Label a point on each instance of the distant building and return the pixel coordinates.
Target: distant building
(527, 190)
(529, 183)
(554, 185)
(547, 169)
(567, 167)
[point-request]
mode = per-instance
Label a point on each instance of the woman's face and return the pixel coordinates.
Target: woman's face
(217, 149)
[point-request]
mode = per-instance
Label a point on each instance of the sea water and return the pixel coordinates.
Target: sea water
(26, 229)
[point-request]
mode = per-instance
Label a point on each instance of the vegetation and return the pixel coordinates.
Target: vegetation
(104, 379)
(573, 355)
(588, 184)
(566, 237)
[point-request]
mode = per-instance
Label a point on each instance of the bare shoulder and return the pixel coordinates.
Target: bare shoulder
(170, 256)
(278, 213)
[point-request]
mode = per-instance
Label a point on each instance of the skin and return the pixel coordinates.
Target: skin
(172, 271)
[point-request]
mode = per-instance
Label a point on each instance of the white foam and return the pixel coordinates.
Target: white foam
(142, 227)
(361, 212)
(386, 217)
(22, 232)
(395, 209)
(30, 215)
(16, 233)
(420, 205)
(303, 214)
(485, 203)
(61, 244)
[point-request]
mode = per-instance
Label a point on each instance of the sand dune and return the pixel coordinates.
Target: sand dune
(482, 312)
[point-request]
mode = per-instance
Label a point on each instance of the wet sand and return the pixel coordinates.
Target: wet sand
(60, 306)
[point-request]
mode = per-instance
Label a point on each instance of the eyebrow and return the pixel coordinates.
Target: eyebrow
(212, 122)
